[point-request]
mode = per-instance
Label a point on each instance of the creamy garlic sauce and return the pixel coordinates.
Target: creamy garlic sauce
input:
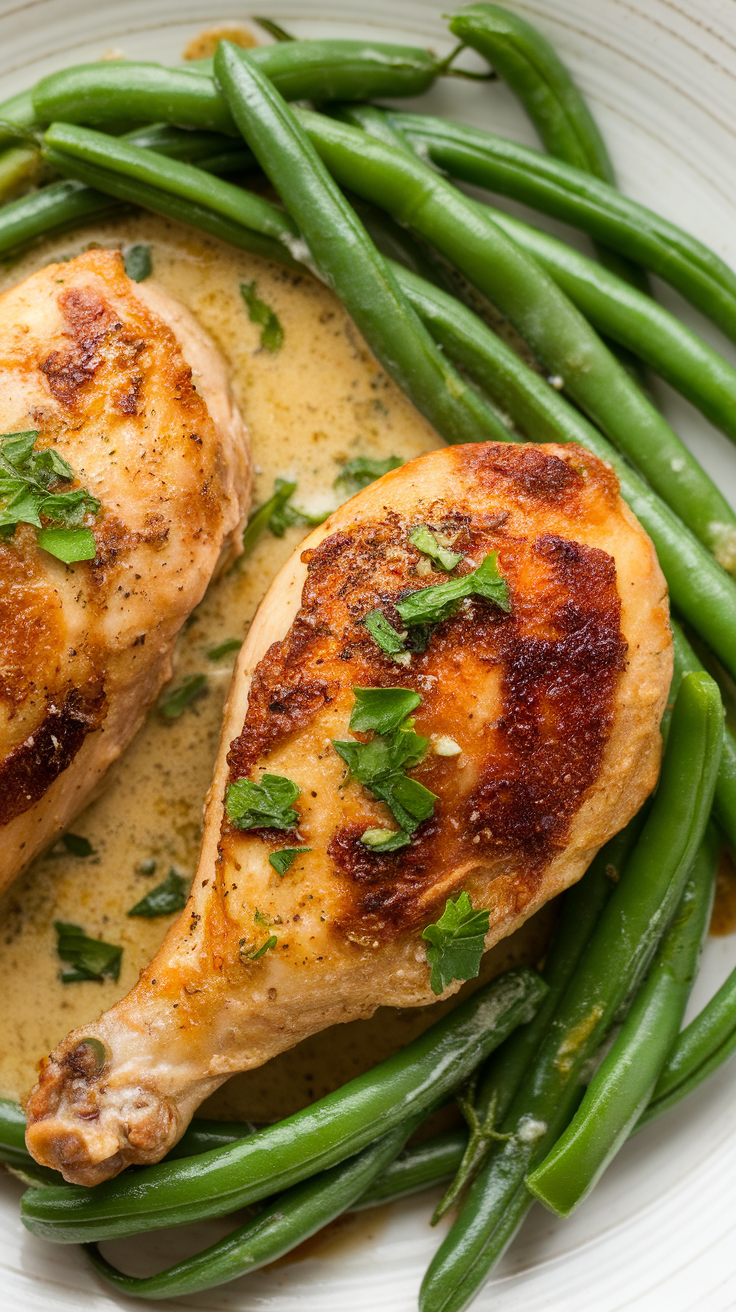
(318, 402)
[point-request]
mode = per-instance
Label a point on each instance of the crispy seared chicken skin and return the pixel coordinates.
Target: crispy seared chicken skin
(555, 705)
(103, 369)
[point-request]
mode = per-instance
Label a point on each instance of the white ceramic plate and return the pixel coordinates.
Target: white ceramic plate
(656, 1235)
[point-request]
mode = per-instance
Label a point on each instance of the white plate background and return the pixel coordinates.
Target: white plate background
(657, 1235)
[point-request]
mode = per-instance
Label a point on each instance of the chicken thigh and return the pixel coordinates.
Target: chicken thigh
(120, 382)
(539, 697)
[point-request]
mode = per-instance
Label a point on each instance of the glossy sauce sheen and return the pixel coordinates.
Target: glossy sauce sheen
(320, 401)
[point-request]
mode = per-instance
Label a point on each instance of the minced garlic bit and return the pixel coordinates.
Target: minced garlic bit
(443, 745)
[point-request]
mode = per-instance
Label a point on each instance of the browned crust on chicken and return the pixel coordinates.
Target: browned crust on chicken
(555, 706)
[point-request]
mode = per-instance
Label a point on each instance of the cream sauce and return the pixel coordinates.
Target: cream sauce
(320, 401)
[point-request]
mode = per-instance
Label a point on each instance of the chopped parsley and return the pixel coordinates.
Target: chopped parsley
(283, 860)
(381, 765)
(458, 943)
(358, 473)
(30, 483)
(224, 649)
(77, 845)
(138, 262)
(277, 515)
(253, 953)
(265, 805)
(86, 958)
(164, 899)
(425, 541)
(381, 709)
(272, 334)
(433, 604)
(173, 703)
(385, 635)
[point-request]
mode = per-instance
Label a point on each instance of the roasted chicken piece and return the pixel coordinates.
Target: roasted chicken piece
(119, 381)
(551, 710)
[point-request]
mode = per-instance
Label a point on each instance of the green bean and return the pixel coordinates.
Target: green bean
(558, 334)
(695, 1077)
(566, 193)
(13, 1133)
(19, 169)
(700, 1042)
(415, 1080)
(64, 145)
(532, 68)
(499, 1080)
(17, 118)
(346, 257)
(620, 312)
(699, 588)
(212, 151)
(301, 70)
(618, 953)
(282, 1224)
(624, 1082)
(724, 801)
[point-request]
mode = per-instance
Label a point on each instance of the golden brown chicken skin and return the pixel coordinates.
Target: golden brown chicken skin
(554, 704)
(122, 383)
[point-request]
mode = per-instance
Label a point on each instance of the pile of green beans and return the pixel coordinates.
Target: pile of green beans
(616, 958)
(617, 946)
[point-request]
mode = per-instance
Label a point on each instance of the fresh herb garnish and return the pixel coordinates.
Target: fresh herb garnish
(29, 482)
(272, 334)
(381, 709)
(265, 805)
(77, 845)
(175, 702)
(425, 541)
(386, 636)
(380, 766)
(358, 473)
(385, 840)
(254, 953)
(87, 958)
(433, 604)
(458, 943)
(138, 262)
(224, 649)
(283, 860)
(277, 515)
(164, 899)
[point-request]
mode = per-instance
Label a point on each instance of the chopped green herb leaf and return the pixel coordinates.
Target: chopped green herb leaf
(358, 473)
(261, 919)
(277, 515)
(382, 709)
(433, 604)
(265, 805)
(426, 542)
(176, 701)
(458, 943)
(87, 958)
(254, 953)
(385, 840)
(384, 633)
(28, 495)
(283, 860)
(68, 544)
(272, 334)
(138, 262)
(77, 845)
(164, 899)
(224, 649)
(380, 766)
